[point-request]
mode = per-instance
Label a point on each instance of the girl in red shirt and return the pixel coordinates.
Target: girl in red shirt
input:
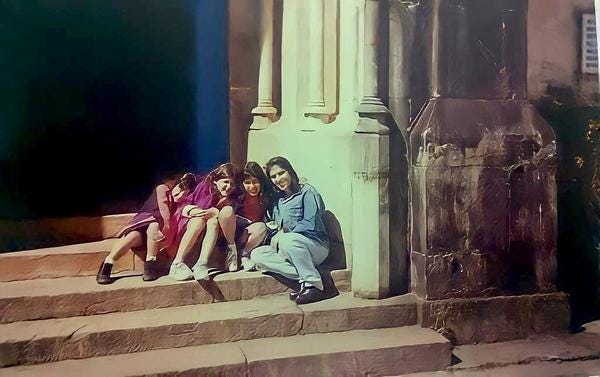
(255, 209)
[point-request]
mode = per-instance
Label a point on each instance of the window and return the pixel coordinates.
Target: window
(589, 44)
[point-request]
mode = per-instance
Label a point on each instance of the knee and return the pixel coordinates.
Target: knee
(195, 224)
(258, 254)
(259, 229)
(212, 223)
(288, 240)
(226, 213)
(152, 228)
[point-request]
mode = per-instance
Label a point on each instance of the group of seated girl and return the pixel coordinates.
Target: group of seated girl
(229, 210)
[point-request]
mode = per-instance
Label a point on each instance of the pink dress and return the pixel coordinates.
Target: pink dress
(160, 208)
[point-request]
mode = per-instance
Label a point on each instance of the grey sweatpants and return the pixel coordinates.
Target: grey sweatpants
(296, 258)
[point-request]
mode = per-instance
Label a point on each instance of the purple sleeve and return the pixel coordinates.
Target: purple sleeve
(202, 196)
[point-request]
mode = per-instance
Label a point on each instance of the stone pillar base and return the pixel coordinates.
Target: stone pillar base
(495, 319)
(370, 220)
(261, 122)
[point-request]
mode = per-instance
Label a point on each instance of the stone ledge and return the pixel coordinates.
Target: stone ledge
(215, 360)
(80, 296)
(540, 356)
(42, 341)
(29, 234)
(376, 352)
(536, 349)
(63, 261)
(495, 319)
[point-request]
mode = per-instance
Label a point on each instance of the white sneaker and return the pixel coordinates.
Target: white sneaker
(248, 264)
(201, 271)
(180, 271)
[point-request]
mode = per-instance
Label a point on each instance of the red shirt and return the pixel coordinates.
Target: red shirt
(252, 209)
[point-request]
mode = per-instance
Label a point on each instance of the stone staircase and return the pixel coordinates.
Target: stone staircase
(56, 321)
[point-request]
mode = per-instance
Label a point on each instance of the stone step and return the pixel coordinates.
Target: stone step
(81, 296)
(34, 342)
(545, 355)
(63, 261)
(377, 352)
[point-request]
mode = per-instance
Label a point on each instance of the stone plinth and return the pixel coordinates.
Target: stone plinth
(495, 319)
(371, 213)
(483, 200)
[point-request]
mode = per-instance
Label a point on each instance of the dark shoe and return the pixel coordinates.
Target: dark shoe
(294, 294)
(310, 294)
(103, 276)
(151, 271)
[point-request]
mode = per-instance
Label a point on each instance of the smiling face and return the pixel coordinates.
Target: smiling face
(281, 178)
(252, 186)
(224, 186)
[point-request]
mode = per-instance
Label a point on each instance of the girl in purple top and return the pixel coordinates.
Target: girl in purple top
(155, 227)
(208, 210)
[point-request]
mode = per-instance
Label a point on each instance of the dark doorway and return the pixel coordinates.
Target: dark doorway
(100, 100)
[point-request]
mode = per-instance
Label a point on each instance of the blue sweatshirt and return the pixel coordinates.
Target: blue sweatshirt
(302, 212)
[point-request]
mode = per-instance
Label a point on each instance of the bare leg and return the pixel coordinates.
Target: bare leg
(256, 235)
(194, 228)
(132, 239)
(200, 269)
(227, 223)
(209, 241)
(151, 244)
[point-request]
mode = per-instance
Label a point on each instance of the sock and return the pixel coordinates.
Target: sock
(150, 258)
(232, 247)
(109, 260)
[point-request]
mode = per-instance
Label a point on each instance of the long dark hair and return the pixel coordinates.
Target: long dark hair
(188, 182)
(253, 170)
(283, 163)
(231, 171)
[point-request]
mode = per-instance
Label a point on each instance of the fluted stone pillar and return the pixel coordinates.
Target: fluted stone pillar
(371, 165)
(371, 108)
(317, 103)
(264, 113)
(316, 98)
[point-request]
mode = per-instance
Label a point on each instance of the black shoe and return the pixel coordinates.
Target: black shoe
(151, 271)
(294, 294)
(103, 276)
(310, 294)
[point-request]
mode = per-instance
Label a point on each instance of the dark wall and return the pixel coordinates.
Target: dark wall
(578, 254)
(99, 100)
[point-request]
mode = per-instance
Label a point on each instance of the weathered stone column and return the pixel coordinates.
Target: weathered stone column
(264, 113)
(371, 164)
(483, 188)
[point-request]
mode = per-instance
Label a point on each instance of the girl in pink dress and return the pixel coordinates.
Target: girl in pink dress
(155, 227)
(209, 210)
